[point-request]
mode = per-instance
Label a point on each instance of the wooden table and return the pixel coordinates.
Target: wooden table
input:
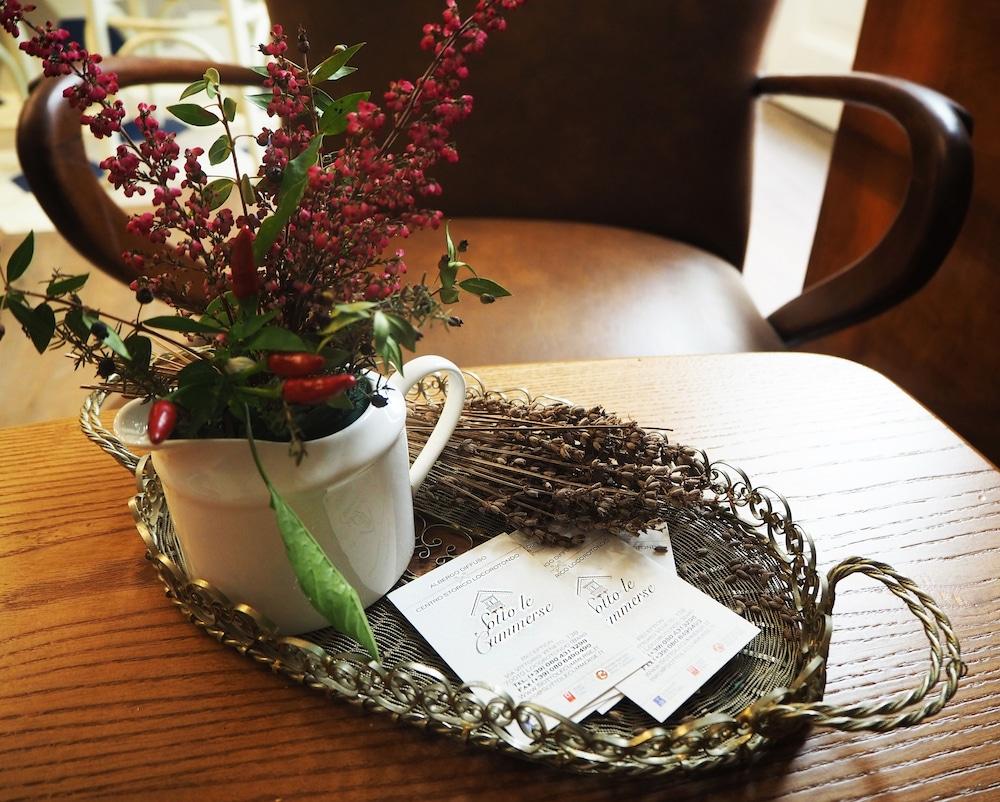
(106, 692)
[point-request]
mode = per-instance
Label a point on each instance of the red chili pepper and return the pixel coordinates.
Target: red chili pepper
(316, 389)
(162, 419)
(245, 280)
(293, 365)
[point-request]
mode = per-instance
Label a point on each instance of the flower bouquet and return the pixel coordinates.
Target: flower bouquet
(287, 300)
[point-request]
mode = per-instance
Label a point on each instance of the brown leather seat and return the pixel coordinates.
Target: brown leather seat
(637, 113)
(581, 289)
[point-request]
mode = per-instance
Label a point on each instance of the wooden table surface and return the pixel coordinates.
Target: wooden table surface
(105, 691)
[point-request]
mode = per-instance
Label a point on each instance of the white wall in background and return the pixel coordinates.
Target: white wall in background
(813, 36)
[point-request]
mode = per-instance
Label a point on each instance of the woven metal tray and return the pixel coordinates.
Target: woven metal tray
(741, 546)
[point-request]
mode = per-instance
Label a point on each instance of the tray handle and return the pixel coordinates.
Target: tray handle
(881, 716)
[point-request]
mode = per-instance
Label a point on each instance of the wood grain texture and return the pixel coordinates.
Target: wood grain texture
(106, 692)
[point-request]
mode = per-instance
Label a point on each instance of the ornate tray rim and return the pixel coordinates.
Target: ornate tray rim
(421, 695)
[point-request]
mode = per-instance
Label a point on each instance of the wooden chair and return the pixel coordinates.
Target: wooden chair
(605, 175)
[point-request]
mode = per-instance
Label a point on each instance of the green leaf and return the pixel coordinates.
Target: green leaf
(141, 350)
(194, 89)
(403, 331)
(39, 323)
(321, 100)
(216, 308)
(380, 325)
(330, 68)
(177, 323)
(451, 245)
(261, 101)
(229, 108)
(336, 357)
(247, 191)
(243, 329)
(354, 307)
(74, 320)
(385, 341)
(200, 391)
(262, 70)
(21, 258)
(220, 150)
(319, 579)
(218, 191)
(273, 338)
(208, 320)
(342, 321)
(478, 286)
(341, 401)
(64, 284)
(192, 114)
(114, 342)
(293, 186)
(448, 271)
(197, 373)
(392, 354)
(212, 76)
(334, 119)
(449, 295)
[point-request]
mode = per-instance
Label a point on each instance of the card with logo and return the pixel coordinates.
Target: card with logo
(655, 544)
(686, 634)
(496, 615)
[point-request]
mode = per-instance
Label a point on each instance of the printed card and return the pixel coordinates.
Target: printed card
(655, 544)
(496, 615)
(686, 634)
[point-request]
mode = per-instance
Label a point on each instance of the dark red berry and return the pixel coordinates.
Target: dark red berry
(379, 401)
(144, 295)
(3, 330)
(463, 246)
(486, 298)
(455, 321)
(106, 367)
(99, 330)
(303, 41)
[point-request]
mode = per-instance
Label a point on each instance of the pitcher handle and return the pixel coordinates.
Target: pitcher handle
(417, 370)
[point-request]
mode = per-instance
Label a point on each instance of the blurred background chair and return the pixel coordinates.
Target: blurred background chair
(605, 175)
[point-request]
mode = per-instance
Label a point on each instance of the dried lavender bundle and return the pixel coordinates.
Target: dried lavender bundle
(558, 471)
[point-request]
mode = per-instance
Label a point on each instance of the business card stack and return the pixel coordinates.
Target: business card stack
(575, 628)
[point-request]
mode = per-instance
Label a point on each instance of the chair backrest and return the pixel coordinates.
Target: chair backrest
(636, 113)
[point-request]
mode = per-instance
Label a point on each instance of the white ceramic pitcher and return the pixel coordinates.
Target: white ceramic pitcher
(354, 491)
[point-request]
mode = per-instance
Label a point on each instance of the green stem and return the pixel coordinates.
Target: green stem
(253, 446)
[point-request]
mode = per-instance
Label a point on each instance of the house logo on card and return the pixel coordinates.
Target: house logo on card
(568, 696)
(659, 701)
(489, 601)
(592, 586)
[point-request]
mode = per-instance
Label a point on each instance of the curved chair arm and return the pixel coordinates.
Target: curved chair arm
(928, 221)
(50, 148)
